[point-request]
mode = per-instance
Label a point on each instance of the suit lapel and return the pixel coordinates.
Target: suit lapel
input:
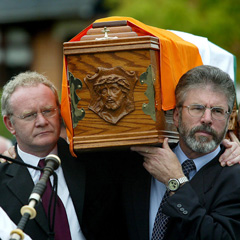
(205, 178)
(21, 185)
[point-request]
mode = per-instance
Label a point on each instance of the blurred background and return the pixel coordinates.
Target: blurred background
(32, 32)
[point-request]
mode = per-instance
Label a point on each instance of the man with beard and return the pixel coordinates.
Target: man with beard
(206, 207)
(183, 192)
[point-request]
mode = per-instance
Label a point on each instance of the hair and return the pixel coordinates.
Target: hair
(25, 79)
(202, 76)
(122, 82)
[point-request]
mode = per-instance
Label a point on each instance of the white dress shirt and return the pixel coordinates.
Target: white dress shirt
(63, 191)
(158, 189)
(6, 226)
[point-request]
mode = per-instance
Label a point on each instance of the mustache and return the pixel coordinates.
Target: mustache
(204, 128)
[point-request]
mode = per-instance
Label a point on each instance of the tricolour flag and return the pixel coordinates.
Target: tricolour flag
(179, 52)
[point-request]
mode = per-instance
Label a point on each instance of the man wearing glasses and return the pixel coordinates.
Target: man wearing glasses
(185, 193)
(31, 112)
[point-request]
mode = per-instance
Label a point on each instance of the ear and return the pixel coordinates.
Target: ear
(9, 125)
(176, 117)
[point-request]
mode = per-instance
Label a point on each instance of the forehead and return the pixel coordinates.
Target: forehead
(206, 96)
(34, 96)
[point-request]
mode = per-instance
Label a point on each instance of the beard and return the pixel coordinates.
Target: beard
(112, 105)
(200, 144)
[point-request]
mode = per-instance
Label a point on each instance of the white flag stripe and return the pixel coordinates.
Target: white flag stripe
(211, 54)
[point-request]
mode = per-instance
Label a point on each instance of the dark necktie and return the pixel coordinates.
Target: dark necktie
(61, 226)
(188, 166)
(161, 220)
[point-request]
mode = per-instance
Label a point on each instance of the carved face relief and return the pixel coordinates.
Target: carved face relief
(111, 93)
(112, 96)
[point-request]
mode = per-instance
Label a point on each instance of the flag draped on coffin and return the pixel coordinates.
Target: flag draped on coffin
(179, 52)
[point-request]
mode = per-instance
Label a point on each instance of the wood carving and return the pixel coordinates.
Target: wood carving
(111, 91)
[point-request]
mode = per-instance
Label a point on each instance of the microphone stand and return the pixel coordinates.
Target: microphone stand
(28, 211)
(19, 162)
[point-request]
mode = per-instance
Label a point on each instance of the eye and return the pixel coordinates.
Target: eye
(29, 116)
(49, 112)
(46, 111)
(104, 91)
(114, 89)
(219, 111)
(197, 108)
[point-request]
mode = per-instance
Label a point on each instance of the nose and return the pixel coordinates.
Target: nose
(109, 93)
(40, 120)
(207, 117)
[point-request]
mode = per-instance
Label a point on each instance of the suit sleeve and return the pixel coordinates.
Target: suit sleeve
(216, 217)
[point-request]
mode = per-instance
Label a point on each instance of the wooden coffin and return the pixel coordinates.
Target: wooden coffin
(115, 89)
(112, 74)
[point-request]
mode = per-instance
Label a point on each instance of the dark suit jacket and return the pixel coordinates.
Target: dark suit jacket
(89, 185)
(207, 207)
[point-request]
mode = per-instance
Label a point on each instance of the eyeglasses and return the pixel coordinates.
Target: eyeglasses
(47, 113)
(197, 110)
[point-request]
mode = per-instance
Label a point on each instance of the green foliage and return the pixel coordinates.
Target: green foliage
(3, 130)
(218, 20)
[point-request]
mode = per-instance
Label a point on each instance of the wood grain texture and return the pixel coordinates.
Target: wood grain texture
(92, 132)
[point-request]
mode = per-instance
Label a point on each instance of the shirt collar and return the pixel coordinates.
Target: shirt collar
(199, 162)
(31, 159)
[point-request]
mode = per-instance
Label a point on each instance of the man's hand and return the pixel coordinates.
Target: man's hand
(9, 153)
(161, 163)
(231, 155)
